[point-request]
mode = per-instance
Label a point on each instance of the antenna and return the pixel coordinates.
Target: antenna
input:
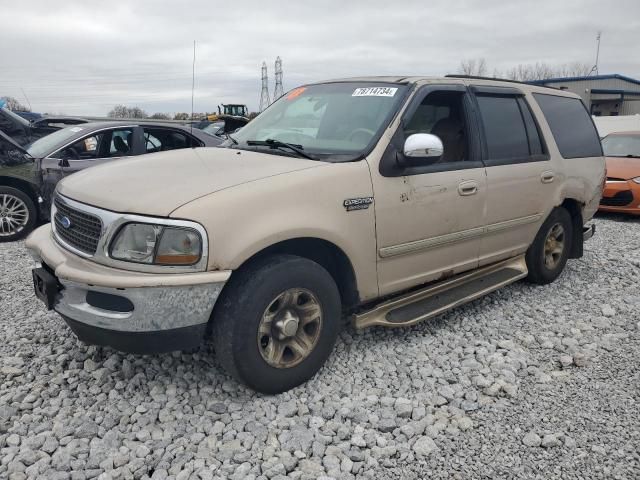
(595, 67)
(264, 94)
(27, 98)
(193, 81)
(278, 90)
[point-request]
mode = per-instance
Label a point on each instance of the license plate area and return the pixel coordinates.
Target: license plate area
(45, 286)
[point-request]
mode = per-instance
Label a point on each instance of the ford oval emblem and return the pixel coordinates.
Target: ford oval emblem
(65, 222)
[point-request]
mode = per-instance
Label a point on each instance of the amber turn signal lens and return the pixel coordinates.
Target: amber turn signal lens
(177, 259)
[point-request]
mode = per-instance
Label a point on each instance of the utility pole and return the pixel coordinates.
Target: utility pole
(595, 67)
(278, 91)
(264, 94)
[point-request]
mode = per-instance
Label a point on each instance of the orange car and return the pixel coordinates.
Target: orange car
(622, 190)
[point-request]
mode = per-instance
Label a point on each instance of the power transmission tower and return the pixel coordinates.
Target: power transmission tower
(264, 94)
(278, 91)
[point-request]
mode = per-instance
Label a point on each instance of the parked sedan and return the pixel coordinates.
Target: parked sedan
(28, 175)
(622, 190)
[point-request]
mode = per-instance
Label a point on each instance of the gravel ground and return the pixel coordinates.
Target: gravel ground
(529, 382)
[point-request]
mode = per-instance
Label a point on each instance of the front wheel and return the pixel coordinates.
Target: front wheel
(276, 322)
(18, 214)
(549, 252)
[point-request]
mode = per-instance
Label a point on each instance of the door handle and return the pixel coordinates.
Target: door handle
(547, 177)
(470, 187)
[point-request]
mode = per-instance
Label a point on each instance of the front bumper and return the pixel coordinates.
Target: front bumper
(130, 311)
(621, 196)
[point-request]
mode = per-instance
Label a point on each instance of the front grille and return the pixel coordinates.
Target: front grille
(82, 231)
(620, 199)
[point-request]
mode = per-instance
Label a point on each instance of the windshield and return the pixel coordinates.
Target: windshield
(334, 119)
(47, 144)
(216, 128)
(621, 145)
(15, 117)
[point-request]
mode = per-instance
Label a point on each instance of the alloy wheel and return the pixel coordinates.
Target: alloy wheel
(14, 214)
(554, 246)
(290, 328)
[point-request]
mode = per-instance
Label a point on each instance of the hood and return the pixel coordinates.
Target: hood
(157, 184)
(11, 142)
(623, 167)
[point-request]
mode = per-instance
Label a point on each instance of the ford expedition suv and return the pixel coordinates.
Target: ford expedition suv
(383, 200)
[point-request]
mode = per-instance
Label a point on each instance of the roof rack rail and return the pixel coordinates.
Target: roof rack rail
(495, 79)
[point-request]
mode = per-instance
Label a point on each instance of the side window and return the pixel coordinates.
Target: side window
(442, 114)
(87, 148)
(162, 139)
(536, 147)
(121, 143)
(504, 127)
(571, 126)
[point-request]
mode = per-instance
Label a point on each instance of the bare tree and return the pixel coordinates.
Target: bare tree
(14, 105)
(181, 116)
(122, 111)
(474, 67)
(573, 69)
(161, 116)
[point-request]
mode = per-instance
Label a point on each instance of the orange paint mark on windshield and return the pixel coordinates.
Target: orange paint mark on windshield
(295, 93)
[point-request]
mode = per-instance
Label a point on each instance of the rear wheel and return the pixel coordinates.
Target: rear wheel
(276, 322)
(549, 252)
(17, 214)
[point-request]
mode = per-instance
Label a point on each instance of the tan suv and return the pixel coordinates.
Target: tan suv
(386, 200)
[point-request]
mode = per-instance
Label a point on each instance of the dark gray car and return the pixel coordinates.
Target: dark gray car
(28, 175)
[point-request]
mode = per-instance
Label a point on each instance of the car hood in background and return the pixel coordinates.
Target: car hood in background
(158, 183)
(623, 167)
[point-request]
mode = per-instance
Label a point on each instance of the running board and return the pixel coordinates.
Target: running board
(435, 299)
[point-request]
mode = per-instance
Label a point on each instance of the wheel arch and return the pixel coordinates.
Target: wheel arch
(325, 253)
(24, 186)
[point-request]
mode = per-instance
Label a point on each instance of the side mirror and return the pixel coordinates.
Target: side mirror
(423, 145)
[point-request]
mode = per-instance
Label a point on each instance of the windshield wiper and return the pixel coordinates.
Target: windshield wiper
(273, 143)
(228, 135)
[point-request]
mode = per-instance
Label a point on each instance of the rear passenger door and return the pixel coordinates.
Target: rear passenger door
(521, 178)
(160, 139)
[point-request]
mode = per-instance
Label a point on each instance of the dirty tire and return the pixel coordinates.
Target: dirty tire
(239, 313)
(26, 204)
(539, 270)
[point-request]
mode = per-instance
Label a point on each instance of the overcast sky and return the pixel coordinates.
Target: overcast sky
(84, 56)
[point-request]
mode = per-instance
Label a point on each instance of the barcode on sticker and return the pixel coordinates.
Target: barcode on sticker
(374, 92)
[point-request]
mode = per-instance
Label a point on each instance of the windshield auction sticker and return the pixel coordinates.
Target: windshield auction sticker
(374, 92)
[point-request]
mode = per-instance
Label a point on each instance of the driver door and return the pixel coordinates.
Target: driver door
(94, 149)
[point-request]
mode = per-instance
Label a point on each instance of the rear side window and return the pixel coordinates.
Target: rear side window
(504, 127)
(570, 125)
(162, 139)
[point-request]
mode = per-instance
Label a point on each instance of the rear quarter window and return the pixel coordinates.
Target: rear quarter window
(571, 126)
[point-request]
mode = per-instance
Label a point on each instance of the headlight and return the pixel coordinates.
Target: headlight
(157, 245)
(637, 179)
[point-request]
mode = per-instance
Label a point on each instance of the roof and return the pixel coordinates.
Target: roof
(613, 76)
(462, 79)
(630, 132)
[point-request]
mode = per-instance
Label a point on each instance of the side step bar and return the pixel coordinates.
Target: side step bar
(437, 298)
